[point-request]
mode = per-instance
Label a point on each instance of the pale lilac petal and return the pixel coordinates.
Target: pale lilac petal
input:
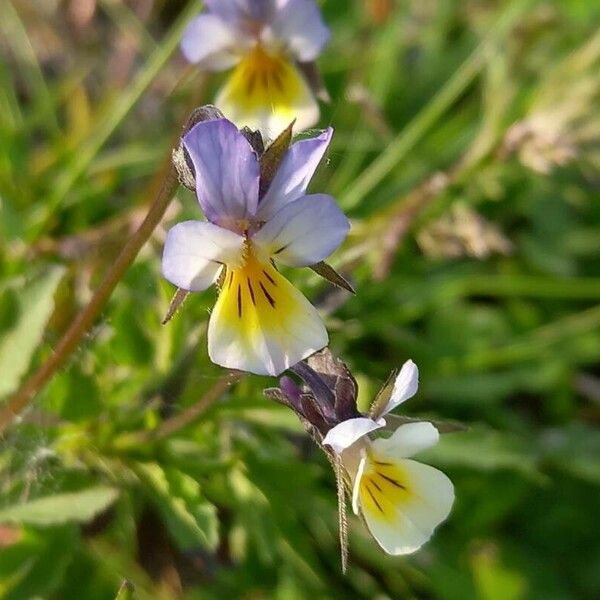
(304, 232)
(299, 24)
(346, 433)
(408, 440)
(239, 12)
(196, 250)
(210, 42)
(226, 170)
(294, 174)
(405, 386)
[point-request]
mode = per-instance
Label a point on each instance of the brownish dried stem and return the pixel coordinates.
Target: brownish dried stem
(184, 418)
(167, 180)
(401, 221)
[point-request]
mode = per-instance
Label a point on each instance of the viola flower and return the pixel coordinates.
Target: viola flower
(265, 40)
(260, 323)
(401, 500)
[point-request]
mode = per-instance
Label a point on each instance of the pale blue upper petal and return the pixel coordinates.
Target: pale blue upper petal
(294, 174)
(303, 232)
(226, 170)
(299, 24)
(239, 12)
(211, 42)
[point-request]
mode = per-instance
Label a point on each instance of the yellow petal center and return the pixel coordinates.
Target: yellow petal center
(264, 79)
(255, 296)
(383, 487)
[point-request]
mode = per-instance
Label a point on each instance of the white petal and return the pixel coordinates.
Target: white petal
(294, 174)
(259, 99)
(356, 486)
(405, 386)
(195, 251)
(304, 232)
(299, 24)
(344, 434)
(403, 502)
(408, 440)
(211, 42)
(261, 323)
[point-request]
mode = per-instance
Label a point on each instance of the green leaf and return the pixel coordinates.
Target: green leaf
(494, 580)
(486, 450)
(35, 303)
(79, 507)
(34, 566)
(189, 517)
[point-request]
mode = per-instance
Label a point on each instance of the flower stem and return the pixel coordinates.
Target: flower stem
(182, 419)
(85, 319)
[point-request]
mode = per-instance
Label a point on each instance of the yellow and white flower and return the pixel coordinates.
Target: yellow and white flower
(401, 500)
(263, 40)
(261, 323)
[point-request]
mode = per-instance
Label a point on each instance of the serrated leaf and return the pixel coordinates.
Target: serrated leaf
(189, 517)
(35, 304)
(327, 272)
(79, 507)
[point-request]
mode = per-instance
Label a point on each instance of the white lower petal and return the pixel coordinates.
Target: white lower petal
(408, 439)
(195, 251)
(403, 501)
(261, 323)
(267, 92)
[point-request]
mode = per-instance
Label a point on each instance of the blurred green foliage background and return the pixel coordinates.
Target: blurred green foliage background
(466, 152)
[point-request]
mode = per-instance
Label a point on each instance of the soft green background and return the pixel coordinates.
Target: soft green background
(498, 307)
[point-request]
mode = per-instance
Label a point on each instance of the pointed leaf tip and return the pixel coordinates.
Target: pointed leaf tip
(327, 272)
(176, 303)
(272, 157)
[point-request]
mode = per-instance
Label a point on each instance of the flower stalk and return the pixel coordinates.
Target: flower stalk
(164, 185)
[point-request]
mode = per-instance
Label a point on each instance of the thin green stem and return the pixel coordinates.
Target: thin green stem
(182, 419)
(113, 118)
(428, 116)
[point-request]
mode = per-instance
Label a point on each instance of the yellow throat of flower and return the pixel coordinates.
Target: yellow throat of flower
(255, 296)
(264, 79)
(383, 487)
